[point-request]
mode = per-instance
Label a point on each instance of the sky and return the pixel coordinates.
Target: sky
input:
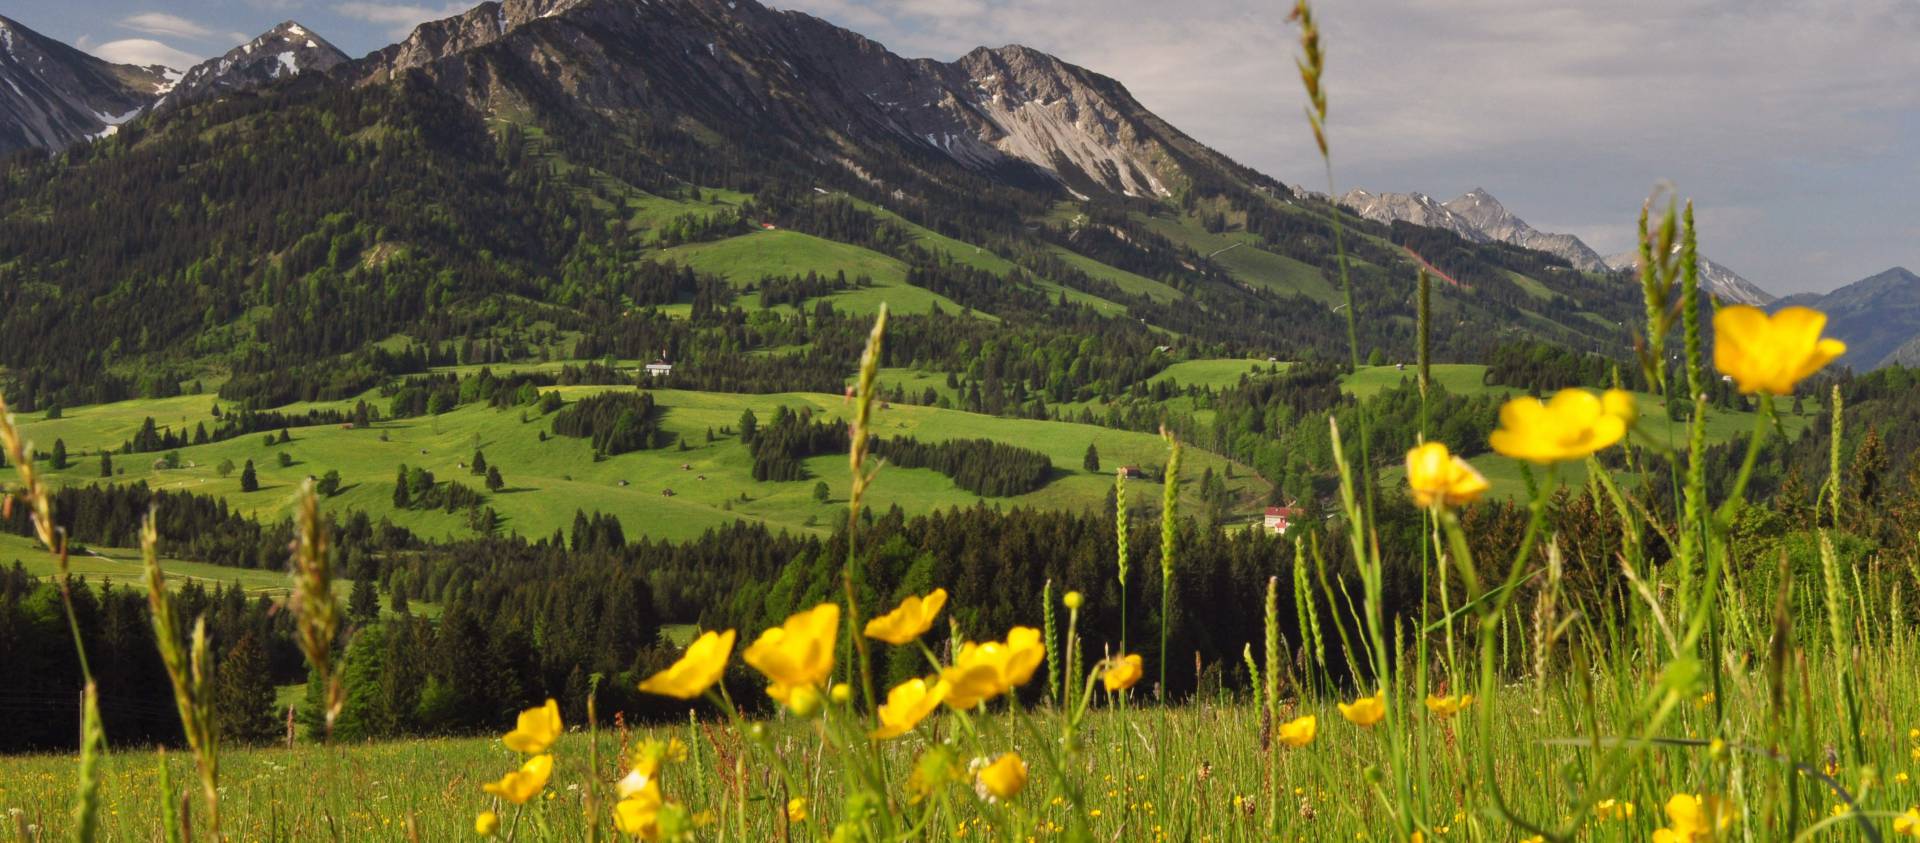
(1791, 124)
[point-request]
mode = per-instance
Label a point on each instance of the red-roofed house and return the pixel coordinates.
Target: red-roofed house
(1279, 518)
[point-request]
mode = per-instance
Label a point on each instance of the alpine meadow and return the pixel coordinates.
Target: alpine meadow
(688, 420)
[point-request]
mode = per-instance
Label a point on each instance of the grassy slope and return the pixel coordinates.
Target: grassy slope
(123, 566)
(979, 258)
(747, 258)
(548, 481)
(1237, 253)
(1215, 373)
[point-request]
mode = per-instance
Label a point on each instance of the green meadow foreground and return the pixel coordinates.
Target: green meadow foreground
(1194, 772)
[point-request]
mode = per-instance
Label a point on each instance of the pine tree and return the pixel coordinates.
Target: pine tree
(1092, 460)
(494, 481)
(363, 603)
(59, 454)
(249, 481)
(749, 423)
(106, 464)
(479, 466)
(400, 497)
(244, 694)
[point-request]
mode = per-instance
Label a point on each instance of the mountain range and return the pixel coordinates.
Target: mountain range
(1477, 216)
(1876, 316)
(57, 96)
(284, 206)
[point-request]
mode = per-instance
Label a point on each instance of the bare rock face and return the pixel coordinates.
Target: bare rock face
(477, 27)
(1485, 213)
(1010, 113)
(282, 52)
(53, 96)
(1416, 208)
(1719, 281)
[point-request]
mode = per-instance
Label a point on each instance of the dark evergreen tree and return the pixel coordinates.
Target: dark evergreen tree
(244, 694)
(59, 453)
(249, 481)
(363, 602)
(1091, 461)
(106, 464)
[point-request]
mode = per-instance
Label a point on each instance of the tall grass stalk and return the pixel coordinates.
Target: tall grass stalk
(93, 738)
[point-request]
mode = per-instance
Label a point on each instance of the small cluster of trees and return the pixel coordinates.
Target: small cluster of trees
(416, 488)
(981, 466)
(616, 422)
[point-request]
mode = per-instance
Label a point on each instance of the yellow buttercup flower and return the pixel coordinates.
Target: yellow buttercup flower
(1908, 824)
(1448, 706)
(486, 823)
(1770, 354)
(841, 693)
(1572, 425)
(981, 672)
(1365, 711)
(1124, 673)
(907, 704)
(637, 814)
(525, 783)
(910, 620)
(1691, 818)
(538, 729)
(798, 653)
(1438, 478)
(797, 809)
(1300, 731)
(696, 671)
(1005, 777)
(1621, 403)
(1613, 809)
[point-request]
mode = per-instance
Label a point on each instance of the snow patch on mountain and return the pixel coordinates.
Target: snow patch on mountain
(1719, 281)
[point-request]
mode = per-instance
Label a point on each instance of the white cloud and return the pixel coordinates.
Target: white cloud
(398, 18)
(145, 51)
(161, 23)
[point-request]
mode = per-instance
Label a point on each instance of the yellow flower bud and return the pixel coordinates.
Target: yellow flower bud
(1073, 600)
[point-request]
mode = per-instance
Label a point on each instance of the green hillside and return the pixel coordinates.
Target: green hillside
(548, 481)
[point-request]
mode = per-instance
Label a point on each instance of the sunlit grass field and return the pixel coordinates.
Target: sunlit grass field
(548, 481)
(1192, 772)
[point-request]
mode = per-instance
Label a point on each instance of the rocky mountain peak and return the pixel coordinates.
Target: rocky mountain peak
(1010, 112)
(1719, 281)
(1417, 208)
(283, 52)
(56, 95)
(1481, 210)
(1877, 316)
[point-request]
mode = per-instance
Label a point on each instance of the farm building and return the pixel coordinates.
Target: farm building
(659, 369)
(1279, 518)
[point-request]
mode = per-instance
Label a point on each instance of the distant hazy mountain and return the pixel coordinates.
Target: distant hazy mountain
(1483, 212)
(56, 95)
(1723, 283)
(1878, 317)
(282, 52)
(1416, 208)
(1474, 215)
